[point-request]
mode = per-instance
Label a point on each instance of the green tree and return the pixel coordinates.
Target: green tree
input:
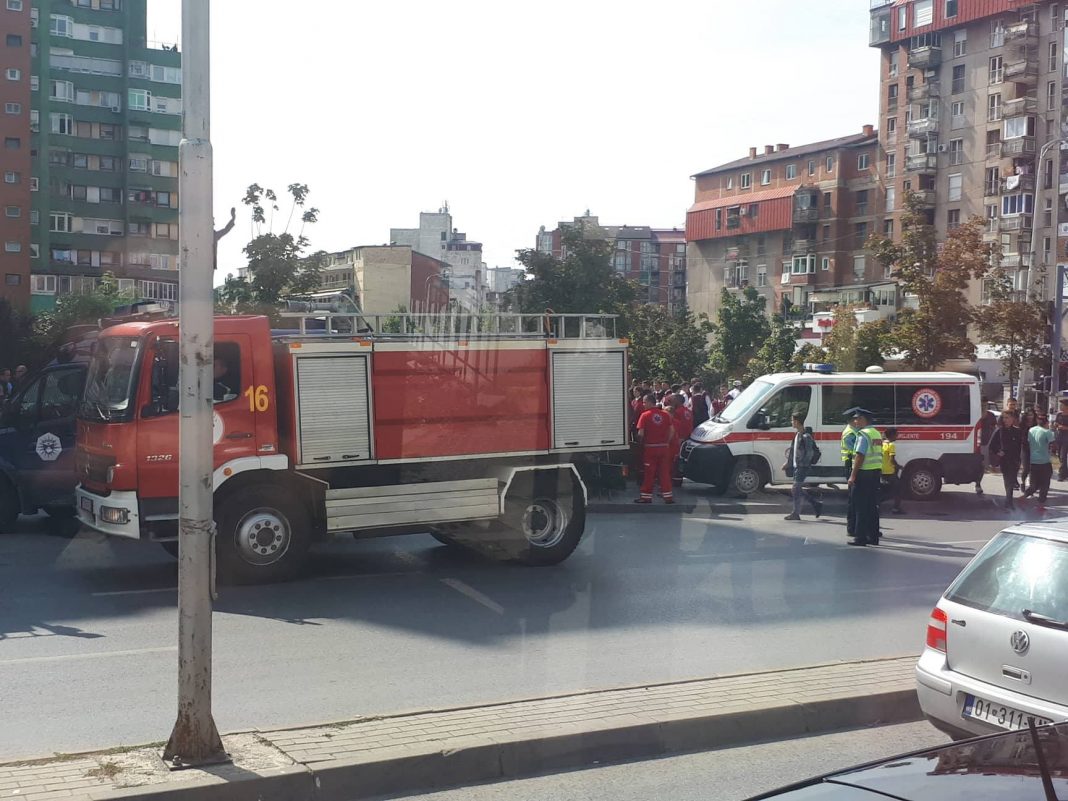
(871, 342)
(52, 328)
(776, 354)
(841, 341)
(809, 353)
(740, 330)
(672, 345)
(1014, 328)
(16, 332)
(937, 328)
(583, 281)
(278, 264)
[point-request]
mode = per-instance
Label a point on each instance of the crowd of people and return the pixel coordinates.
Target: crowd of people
(11, 381)
(1021, 444)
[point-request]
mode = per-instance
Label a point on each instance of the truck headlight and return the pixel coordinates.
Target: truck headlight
(114, 514)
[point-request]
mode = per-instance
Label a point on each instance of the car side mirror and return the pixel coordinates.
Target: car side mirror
(759, 421)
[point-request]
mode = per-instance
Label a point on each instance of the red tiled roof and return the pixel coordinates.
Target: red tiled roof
(745, 197)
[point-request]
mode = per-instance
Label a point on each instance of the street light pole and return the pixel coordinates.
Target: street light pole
(1058, 322)
(195, 739)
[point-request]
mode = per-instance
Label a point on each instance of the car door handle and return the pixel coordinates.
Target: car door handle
(239, 435)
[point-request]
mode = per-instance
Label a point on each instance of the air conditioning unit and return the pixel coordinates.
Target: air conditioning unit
(117, 109)
(943, 148)
(743, 211)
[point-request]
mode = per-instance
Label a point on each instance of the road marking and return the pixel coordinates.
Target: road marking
(132, 592)
(368, 575)
(962, 542)
(166, 649)
(941, 586)
(474, 595)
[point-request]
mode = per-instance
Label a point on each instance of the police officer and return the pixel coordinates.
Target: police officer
(656, 431)
(864, 479)
(849, 439)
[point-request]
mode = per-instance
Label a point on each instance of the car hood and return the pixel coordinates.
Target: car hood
(997, 767)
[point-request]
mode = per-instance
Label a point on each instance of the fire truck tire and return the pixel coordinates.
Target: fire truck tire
(9, 505)
(263, 535)
(171, 547)
(551, 529)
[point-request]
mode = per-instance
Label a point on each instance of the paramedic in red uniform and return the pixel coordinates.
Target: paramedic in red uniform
(682, 419)
(656, 432)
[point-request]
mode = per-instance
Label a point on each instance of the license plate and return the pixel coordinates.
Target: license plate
(1004, 717)
(87, 505)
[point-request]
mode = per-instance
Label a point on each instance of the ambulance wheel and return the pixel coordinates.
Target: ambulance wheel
(263, 535)
(9, 505)
(747, 477)
(923, 481)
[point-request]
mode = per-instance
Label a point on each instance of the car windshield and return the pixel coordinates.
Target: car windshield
(1016, 572)
(111, 383)
(746, 403)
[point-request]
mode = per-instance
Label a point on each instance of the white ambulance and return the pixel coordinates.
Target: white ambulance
(936, 415)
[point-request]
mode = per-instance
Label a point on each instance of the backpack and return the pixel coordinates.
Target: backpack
(815, 448)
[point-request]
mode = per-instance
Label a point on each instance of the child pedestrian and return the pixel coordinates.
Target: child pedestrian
(891, 470)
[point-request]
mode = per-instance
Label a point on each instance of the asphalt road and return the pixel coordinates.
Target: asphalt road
(88, 625)
(725, 775)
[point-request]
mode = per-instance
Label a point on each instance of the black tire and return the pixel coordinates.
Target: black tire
(544, 520)
(923, 481)
(442, 537)
(9, 505)
(171, 547)
(747, 477)
(263, 535)
(60, 512)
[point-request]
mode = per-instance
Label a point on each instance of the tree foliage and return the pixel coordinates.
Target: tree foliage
(668, 345)
(278, 264)
(776, 354)
(582, 281)
(937, 328)
(1014, 328)
(740, 330)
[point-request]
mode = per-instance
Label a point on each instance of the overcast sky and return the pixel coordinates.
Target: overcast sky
(517, 114)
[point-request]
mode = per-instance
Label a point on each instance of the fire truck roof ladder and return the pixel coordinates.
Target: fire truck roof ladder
(448, 325)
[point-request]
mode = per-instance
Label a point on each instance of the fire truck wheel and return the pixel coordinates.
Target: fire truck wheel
(263, 536)
(551, 528)
(9, 505)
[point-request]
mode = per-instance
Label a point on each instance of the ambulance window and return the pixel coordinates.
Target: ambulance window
(785, 404)
(876, 398)
(227, 372)
(940, 405)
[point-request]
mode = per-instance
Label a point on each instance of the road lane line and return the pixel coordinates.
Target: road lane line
(474, 595)
(165, 649)
(368, 575)
(132, 592)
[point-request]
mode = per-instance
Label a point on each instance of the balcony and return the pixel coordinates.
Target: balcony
(993, 151)
(1018, 183)
(1018, 106)
(1018, 146)
(925, 58)
(922, 162)
(1023, 32)
(1012, 260)
(1018, 222)
(921, 129)
(803, 246)
(924, 92)
(806, 216)
(880, 22)
(925, 197)
(1025, 71)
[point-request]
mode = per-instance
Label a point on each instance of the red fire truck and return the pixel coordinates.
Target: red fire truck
(470, 428)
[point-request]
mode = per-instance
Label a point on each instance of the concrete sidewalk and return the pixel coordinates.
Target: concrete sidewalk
(419, 751)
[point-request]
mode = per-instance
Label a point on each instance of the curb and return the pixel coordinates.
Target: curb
(420, 752)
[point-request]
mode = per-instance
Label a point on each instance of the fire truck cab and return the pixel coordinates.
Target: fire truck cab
(470, 428)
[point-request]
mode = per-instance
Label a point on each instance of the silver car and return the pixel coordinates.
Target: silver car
(997, 642)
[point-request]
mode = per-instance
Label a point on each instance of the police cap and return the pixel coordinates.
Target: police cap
(857, 411)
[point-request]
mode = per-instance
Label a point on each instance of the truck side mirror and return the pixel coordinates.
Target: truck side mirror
(759, 420)
(164, 398)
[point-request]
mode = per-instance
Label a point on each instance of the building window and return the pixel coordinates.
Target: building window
(891, 198)
(163, 231)
(765, 177)
(993, 108)
(59, 25)
(956, 183)
(13, 211)
(1016, 127)
(811, 166)
(956, 112)
(891, 129)
(956, 151)
(997, 70)
(762, 276)
(952, 219)
(11, 177)
(1047, 174)
(12, 108)
(902, 18)
(42, 284)
(1012, 205)
(951, 9)
(861, 202)
(730, 182)
(61, 90)
(12, 247)
(827, 210)
(960, 43)
(829, 164)
(997, 33)
(891, 97)
(34, 183)
(958, 79)
(862, 161)
(825, 263)
(13, 279)
(59, 222)
(13, 74)
(61, 124)
(891, 165)
(888, 228)
(35, 83)
(14, 5)
(745, 180)
(923, 12)
(825, 233)
(893, 63)
(859, 267)
(860, 235)
(1052, 58)
(791, 172)
(1051, 96)
(12, 142)
(139, 100)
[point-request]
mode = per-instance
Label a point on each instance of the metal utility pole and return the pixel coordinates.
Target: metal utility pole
(194, 739)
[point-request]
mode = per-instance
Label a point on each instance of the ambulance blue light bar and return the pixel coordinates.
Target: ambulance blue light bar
(817, 367)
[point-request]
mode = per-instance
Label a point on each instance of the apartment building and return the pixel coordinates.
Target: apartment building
(971, 99)
(792, 223)
(654, 258)
(436, 237)
(382, 278)
(90, 153)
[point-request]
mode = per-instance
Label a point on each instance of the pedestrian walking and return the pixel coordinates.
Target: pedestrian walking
(1060, 426)
(891, 471)
(20, 376)
(1039, 443)
(719, 403)
(700, 404)
(848, 444)
(987, 423)
(1027, 422)
(799, 458)
(1006, 449)
(656, 432)
(864, 478)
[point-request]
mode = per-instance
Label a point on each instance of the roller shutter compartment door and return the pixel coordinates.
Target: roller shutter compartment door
(588, 400)
(334, 409)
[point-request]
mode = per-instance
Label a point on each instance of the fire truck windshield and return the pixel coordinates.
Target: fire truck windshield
(112, 380)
